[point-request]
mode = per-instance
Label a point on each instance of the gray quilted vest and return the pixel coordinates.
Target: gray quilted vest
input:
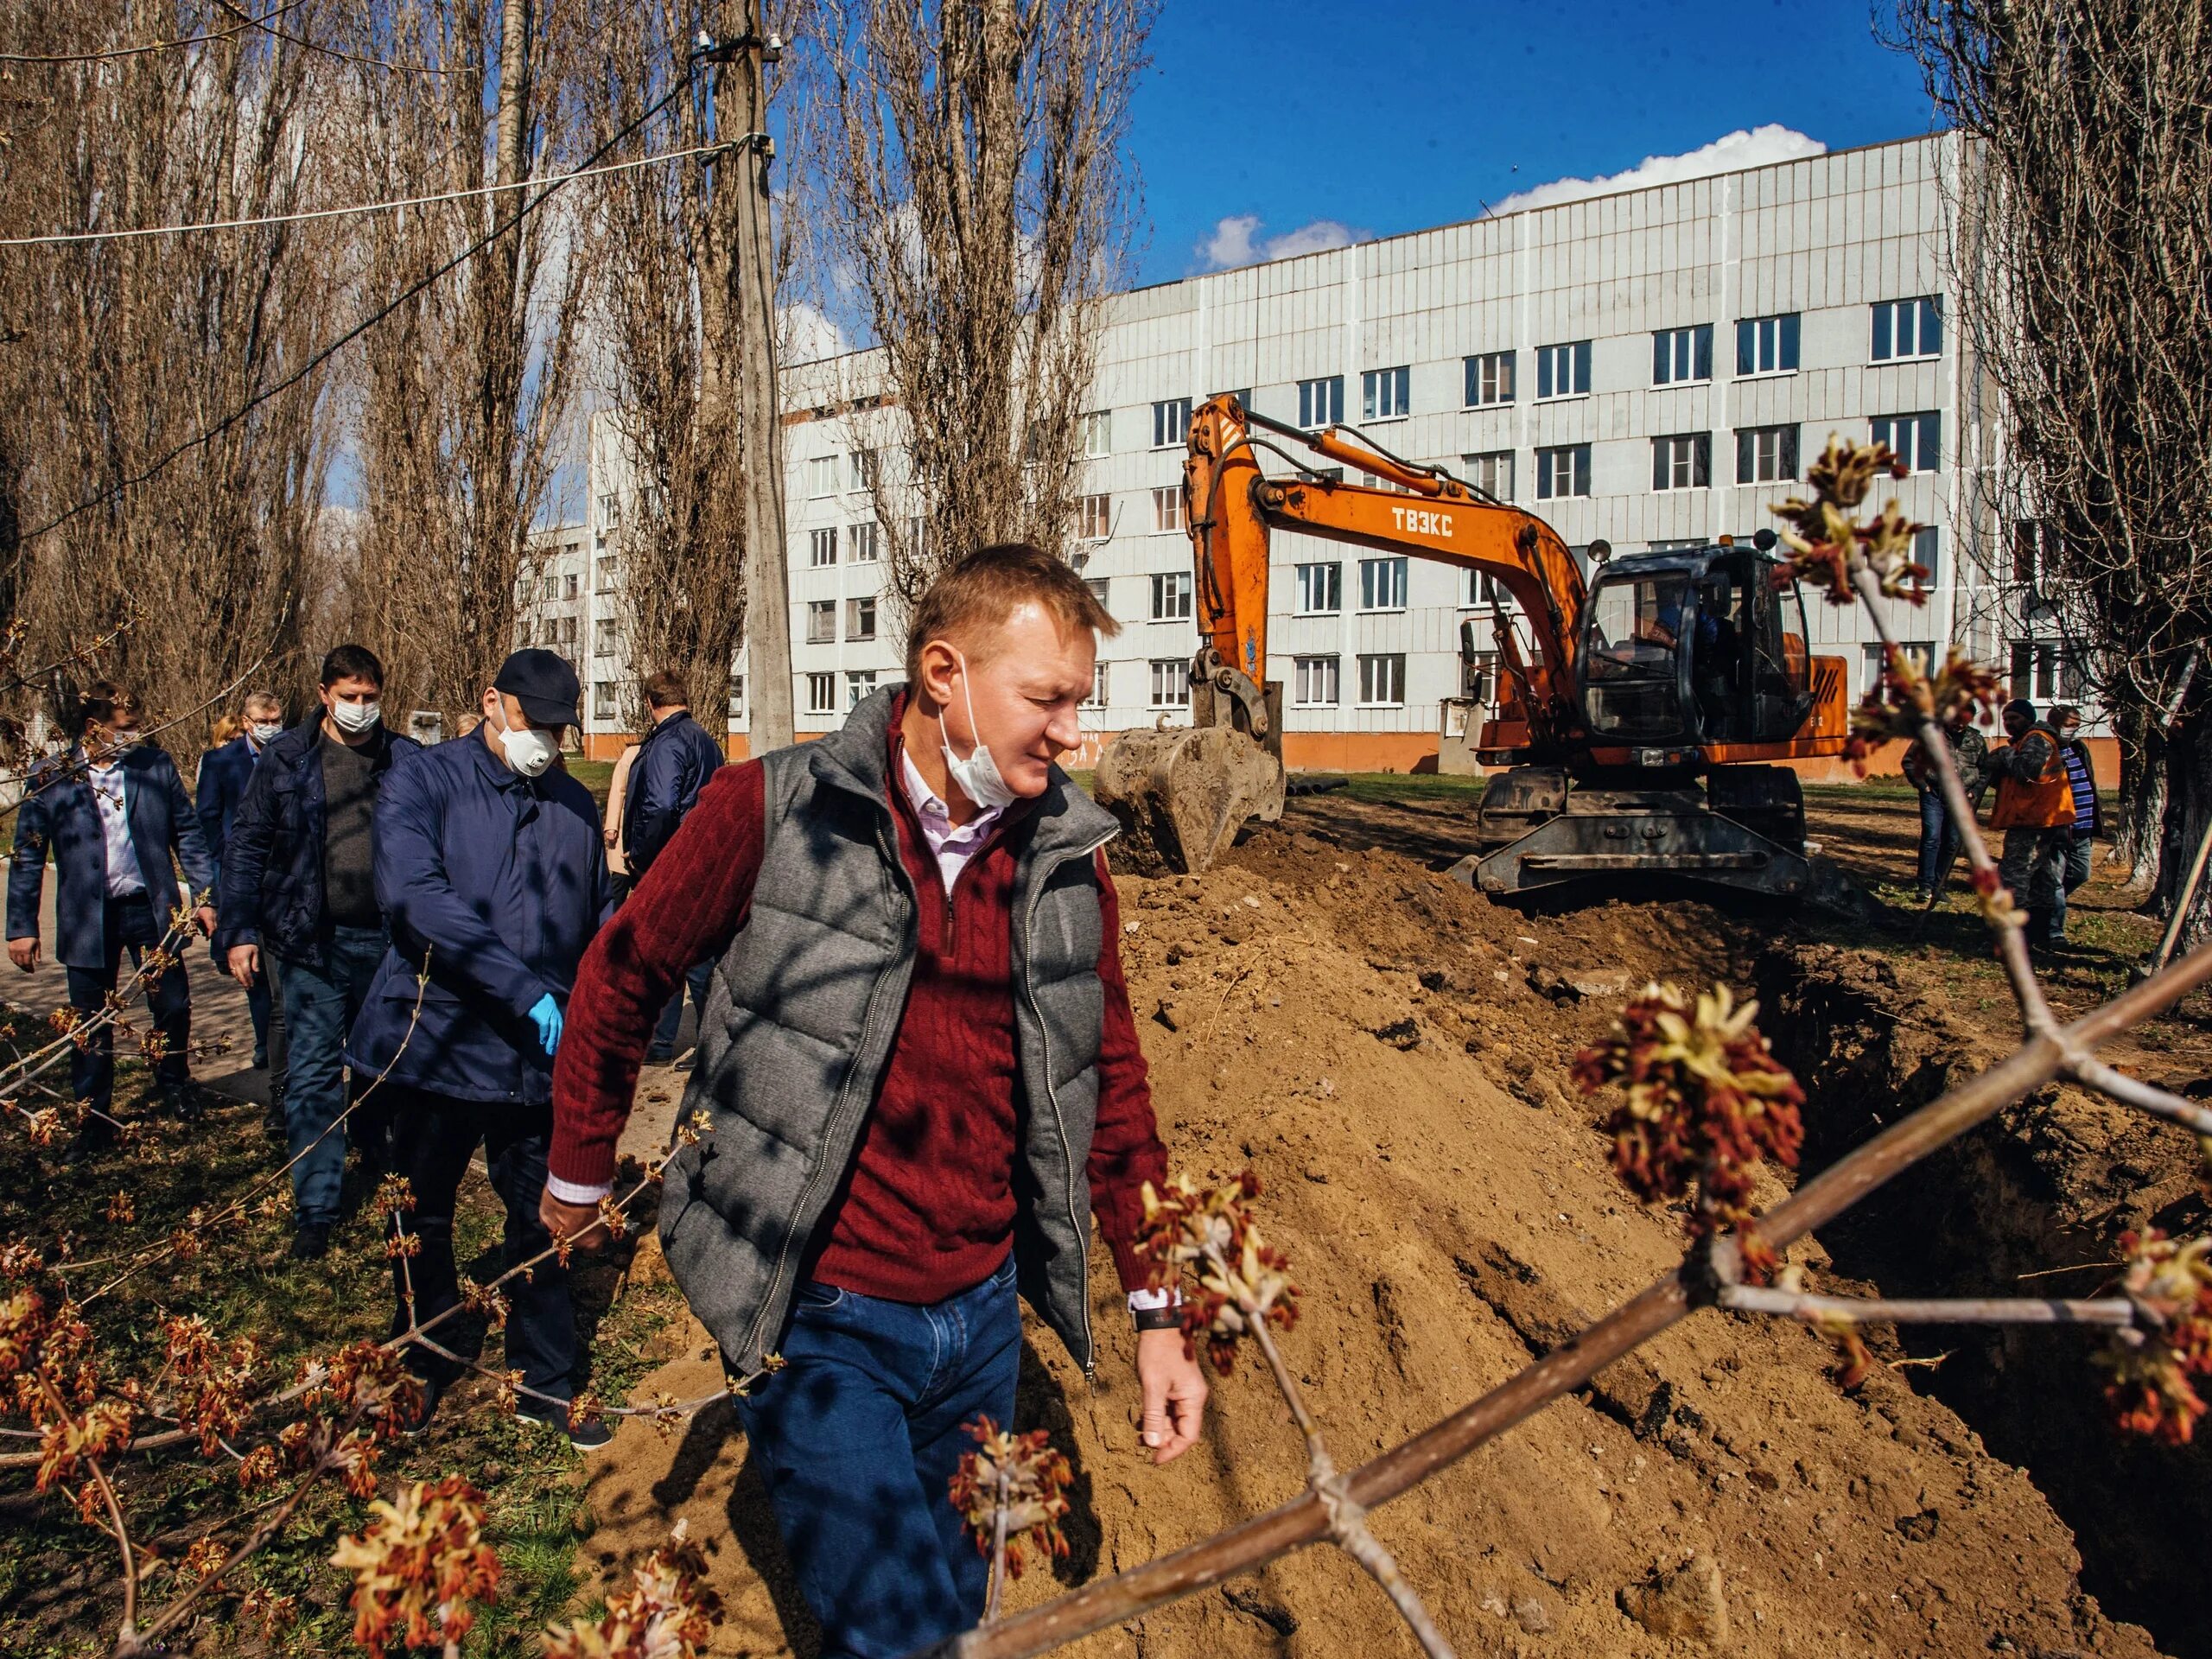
(799, 1026)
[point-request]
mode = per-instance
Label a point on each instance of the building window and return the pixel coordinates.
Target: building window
(1918, 438)
(568, 627)
(1767, 345)
(1492, 473)
(550, 589)
(1490, 379)
(861, 538)
(1683, 463)
(1242, 395)
(1170, 422)
(2035, 549)
(822, 546)
(1907, 328)
(1171, 596)
(1097, 512)
(1482, 588)
(1382, 584)
(1320, 590)
(1096, 431)
(610, 568)
(522, 634)
(822, 476)
(602, 637)
(860, 618)
(1167, 507)
(1382, 680)
(602, 700)
(918, 537)
(1479, 677)
(1874, 659)
(1766, 455)
(1927, 551)
(570, 584)
(610, 510)
(860, 469)
(2043, 670)
(1097, 585)
(1562, 470)
(822, 694)
(737, 696)
(859, 685)
(1171, 682)
(821, 622)
(1563, 370)
(1680, 355)
(1315, 685)
(1321, 403)
(1385, 394)
(1098, 683)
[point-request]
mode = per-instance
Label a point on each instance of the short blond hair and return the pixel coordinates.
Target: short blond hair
(986, 587)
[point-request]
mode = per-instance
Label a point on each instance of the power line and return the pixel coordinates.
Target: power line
(348, 57)
(208, 434)
(64, 237)
(151, 46)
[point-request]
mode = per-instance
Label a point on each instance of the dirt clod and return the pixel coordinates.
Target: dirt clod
(1684, 1605)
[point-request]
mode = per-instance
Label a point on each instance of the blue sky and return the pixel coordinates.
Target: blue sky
(1381, 118)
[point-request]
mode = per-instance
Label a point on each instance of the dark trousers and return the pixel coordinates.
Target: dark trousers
(129, 926)
(697, 978)
(321, 1000)
(1939, 841)
(2076, 871)
(433, 1137)
(857, 1438)
(264, 1003)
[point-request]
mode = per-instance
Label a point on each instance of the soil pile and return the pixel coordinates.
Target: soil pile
(1389, 1051)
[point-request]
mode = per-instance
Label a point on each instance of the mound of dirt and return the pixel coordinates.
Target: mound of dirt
(1389, 1051)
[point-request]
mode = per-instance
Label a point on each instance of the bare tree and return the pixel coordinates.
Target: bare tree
(968, 172)
(2086, 235)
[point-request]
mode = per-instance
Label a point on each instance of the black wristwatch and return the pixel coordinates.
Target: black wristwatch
(1169, 1318)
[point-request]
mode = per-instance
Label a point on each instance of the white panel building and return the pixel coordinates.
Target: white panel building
(1652, 368)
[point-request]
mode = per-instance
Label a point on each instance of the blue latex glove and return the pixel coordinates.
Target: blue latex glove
(545, 1014)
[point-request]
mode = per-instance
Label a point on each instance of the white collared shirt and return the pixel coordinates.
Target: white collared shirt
(123, 876)
(951, 845)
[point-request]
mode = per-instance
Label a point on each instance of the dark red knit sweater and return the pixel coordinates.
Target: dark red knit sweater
(926, 1208)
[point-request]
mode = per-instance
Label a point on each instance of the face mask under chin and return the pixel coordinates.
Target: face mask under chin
(977, 776)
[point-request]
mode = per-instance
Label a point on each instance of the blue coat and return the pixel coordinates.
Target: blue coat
(271, 887)
(500, 882)
(59, 814)
(672, 765)
(224, 774)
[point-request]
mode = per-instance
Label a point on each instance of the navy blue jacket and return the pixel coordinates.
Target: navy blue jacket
(59, 814)
(224, 774)
(672, 765)
(500, 882)
(271, 887)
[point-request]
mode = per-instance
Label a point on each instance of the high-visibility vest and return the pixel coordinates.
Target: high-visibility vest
(2043, 801)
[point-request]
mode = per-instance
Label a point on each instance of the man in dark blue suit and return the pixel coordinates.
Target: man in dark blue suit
(224, 774)
(490, 868)
(672, 765)
(113, 813)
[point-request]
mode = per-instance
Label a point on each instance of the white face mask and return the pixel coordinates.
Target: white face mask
(529, 751)
(265, 731)
(354, 718)
(977, 776)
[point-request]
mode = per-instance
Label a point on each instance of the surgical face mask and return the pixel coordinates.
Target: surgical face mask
(977, 776)
(354, 718)
(265, 731)
(529, 751)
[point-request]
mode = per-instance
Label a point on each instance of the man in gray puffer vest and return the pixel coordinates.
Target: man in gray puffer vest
(921, 1078)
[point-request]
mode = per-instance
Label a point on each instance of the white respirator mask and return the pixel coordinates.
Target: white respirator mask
(265, 731)
(354, 718)
(529, 751)
(977, 776)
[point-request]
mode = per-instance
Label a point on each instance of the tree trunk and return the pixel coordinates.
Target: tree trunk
(2140, 819)
(2188, 816)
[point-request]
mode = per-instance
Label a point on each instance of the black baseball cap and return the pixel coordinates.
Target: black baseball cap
(545, 686)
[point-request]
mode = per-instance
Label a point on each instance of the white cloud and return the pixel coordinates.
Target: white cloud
(1236, 241)
(809, 334)
(1758, 147)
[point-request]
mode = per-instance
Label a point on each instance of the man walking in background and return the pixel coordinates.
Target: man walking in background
(1939, 837)
(672, 765)
(489, 864)
(2035, 809)
(225, 771)
(299, 903)
(2088, 812)
(113, 813)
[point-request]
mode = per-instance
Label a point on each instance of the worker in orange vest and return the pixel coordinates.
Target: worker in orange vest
(2035, 809)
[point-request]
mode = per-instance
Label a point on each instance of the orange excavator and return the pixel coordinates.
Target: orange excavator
(1642, 726)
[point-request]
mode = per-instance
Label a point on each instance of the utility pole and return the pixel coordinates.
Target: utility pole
(740, 117)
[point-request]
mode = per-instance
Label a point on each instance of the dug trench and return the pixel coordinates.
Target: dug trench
(1389, 1052)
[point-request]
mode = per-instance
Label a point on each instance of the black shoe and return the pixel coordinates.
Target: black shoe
(311, 1240)
(261, 1060)
(659, 1054)
(273, 1124)
(584, 1437)
(94, 1136)
(183, 1104)
(412, 1423)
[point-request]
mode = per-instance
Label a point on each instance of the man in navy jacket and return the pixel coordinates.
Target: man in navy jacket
(672, 765)
(112, 813)
(299, 903)
(492, 873)
(224, 773)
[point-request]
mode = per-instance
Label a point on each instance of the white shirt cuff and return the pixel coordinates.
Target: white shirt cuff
(1143, 1301)
(571, 1192)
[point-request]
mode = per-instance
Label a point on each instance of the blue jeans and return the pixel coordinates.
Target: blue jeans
(698, 977)
(857, 1440)
(321, 1002)
(2076, 871)
(130, 925)
(1939, 845)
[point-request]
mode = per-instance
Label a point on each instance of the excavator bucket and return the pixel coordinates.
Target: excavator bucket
(1182, 795)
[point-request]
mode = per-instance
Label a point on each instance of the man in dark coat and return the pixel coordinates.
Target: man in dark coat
(672, 765)
(113, 813)
(2089, 809)
(225, 771)
(490, 866)
(299, 901)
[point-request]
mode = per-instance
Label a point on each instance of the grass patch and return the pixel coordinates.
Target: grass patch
(57, 1576)
(595, 776)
